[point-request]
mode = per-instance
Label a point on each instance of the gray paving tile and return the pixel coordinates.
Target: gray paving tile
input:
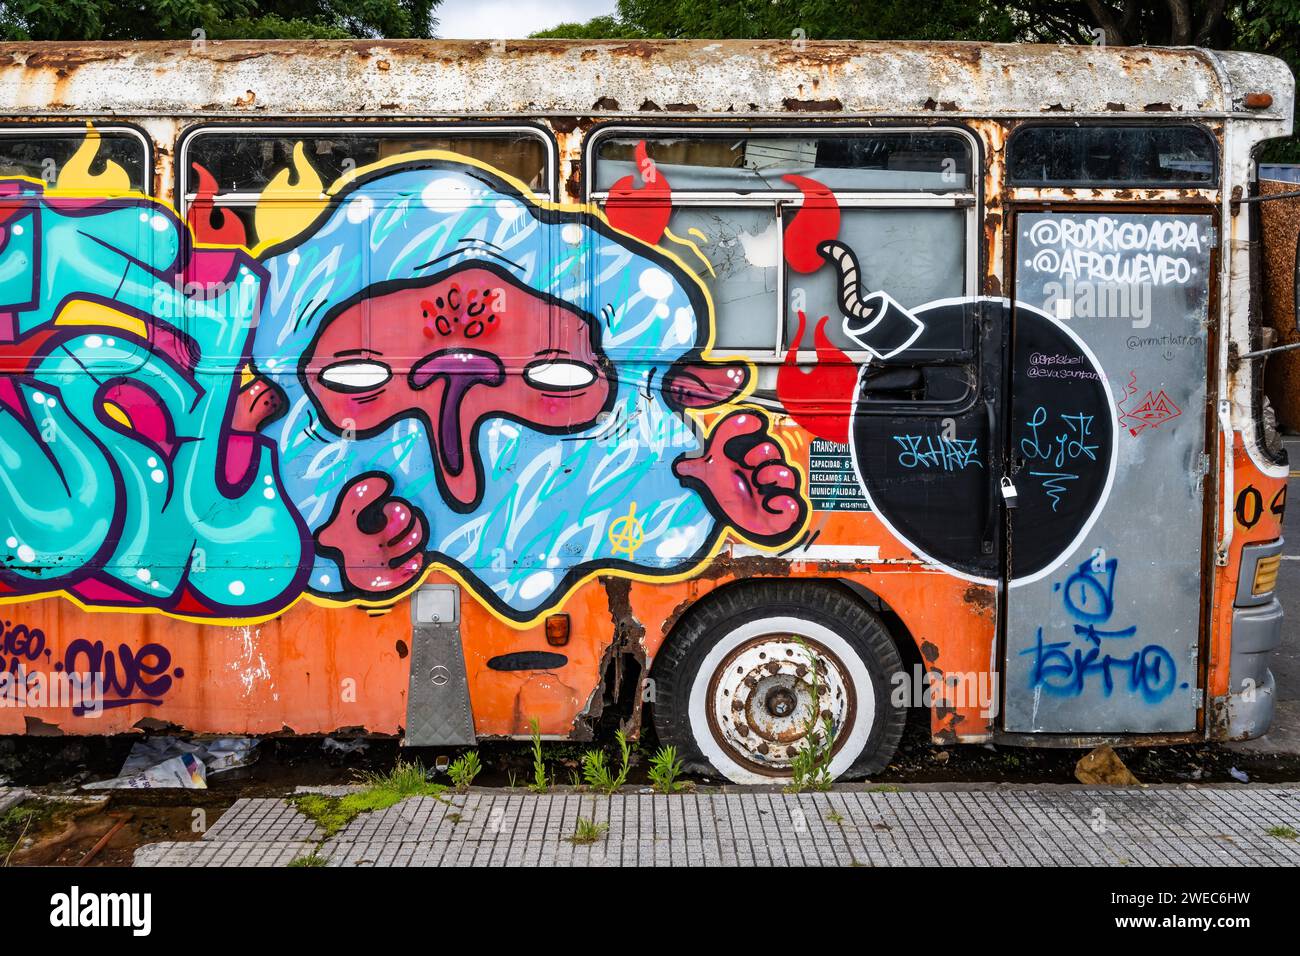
(1045, 826)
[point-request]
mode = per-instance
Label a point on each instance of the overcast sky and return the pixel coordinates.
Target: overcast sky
(511, 19)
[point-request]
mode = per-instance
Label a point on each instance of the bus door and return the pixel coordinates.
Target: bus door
(1107, 468)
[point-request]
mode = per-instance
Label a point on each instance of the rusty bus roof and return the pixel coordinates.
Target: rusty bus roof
(770, 77)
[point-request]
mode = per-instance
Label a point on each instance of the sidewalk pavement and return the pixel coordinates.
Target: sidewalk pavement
(1044, 826)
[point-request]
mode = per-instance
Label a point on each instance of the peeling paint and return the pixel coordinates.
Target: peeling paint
(711, 77)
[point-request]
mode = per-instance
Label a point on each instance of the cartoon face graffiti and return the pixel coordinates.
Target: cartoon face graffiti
(467, 348)
(502, 389)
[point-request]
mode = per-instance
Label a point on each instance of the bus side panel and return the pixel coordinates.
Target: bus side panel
(1246, 625)
(309, 670)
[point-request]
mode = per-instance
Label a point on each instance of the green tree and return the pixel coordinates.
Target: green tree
(1263, 26)
(218, 19)
(818, 19)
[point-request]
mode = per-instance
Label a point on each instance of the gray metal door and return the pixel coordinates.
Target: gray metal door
(1103, 631)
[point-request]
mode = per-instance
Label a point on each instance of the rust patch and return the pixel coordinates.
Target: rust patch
(402, 650)
(832, 105)
(605, 103)
(65, 57)
(39, 728)
(152, 725)
(650, 106)
(574, 182)
(1116, 107)
(758, 565)
(982, 598)
(354, 730)
(618, 594)
(628, 643)
(676, 613)
(929, 651)
(947, 733)
(1158, 108)
(564, 124)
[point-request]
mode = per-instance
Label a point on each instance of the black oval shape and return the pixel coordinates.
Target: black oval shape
(528, 661)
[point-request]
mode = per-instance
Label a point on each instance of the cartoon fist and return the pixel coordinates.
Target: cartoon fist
(377, 539)
(745, 472)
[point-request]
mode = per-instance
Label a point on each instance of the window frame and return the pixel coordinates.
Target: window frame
(73, 130)
(781, 201)
(248, 200)
(326, 127)
(1013, 183)
(110, 125)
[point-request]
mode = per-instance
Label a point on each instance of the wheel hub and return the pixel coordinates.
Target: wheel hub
(769, 691)
(781, 702)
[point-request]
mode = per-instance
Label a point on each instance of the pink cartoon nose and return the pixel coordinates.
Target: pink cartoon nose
(460, 370)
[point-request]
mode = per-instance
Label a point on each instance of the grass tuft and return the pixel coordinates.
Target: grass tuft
(599, 775)
(464, 769)
(810, 767)
(588, 831)
(539, 784)
(665, 768)
(382, 790)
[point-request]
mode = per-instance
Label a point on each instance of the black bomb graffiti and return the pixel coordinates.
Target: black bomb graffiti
(932, 437)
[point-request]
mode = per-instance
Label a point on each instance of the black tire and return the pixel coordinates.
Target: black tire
(721, 721)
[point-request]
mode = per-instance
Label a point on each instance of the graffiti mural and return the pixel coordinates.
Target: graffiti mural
(428, 370)
(1104, 655)
(423, 367)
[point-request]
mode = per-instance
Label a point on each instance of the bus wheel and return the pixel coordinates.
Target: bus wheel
(744, 677)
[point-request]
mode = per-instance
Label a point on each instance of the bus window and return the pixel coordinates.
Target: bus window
(228, 169)
(742, 162)
(113, 298)
(1111, 156)
(108, 159)
(917, 255)
(256, 187)
(905, 200)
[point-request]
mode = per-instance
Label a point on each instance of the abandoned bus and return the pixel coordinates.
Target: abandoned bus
(759, 393)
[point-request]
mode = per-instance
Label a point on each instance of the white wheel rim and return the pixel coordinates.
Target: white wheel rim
(749, 703)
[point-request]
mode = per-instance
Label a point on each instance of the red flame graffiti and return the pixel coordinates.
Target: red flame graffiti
(817, 221)
(210, 224)
(819, 398)
(641, 211)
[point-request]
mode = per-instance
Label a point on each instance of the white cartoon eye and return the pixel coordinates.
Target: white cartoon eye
(559, 374)
(358, 376)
